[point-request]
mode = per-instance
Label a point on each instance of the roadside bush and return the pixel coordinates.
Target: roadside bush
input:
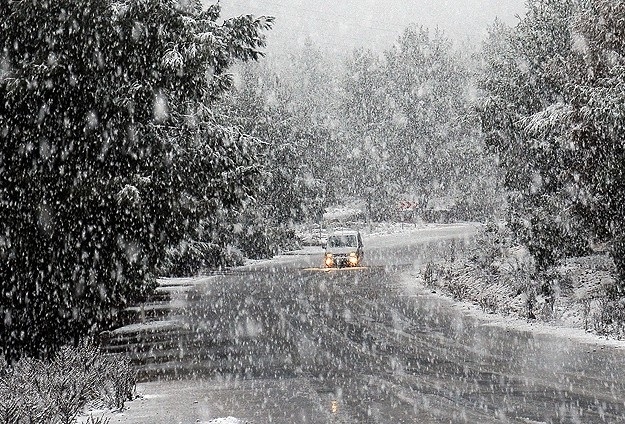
(260, 243)
(496, 274)
(34, 391)
(429, 276)
(190, 257)
(502, 277)
(610, 317)
(490, 244)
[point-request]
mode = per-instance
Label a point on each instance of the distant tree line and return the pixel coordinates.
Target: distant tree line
(410, 131)
(378, 127)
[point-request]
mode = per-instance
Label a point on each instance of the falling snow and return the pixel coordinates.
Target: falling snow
(173, 176)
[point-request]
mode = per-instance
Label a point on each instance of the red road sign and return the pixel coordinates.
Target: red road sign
(406, 205)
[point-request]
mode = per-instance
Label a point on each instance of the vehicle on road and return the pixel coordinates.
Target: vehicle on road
(343, 249)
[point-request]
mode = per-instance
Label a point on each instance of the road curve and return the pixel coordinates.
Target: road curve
(291, 343)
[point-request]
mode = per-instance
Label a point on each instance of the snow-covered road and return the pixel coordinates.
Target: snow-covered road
(287, 342)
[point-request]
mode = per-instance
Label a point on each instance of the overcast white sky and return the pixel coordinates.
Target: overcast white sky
(341, 25)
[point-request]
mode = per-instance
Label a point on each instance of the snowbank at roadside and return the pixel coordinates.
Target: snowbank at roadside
(227, 420)
(570, 303)
(552, 328)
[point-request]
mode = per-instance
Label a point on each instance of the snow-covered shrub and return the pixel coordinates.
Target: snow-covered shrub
(489, 244)
(618, 255)
(191, 257)
(428, 275)
(120, 381)
(611, 317)
(34, 391)
(97, 420)
(501, 277)
(583, 289)
(266, 242)
(496, 274)
(459, 283)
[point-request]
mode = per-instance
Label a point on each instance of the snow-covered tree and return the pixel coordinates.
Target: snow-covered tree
(411, 125)
(553, 112)
(524, 79)
(289, 109)
(596, 124)
(288, 192)
(110, 153)
(366, 120)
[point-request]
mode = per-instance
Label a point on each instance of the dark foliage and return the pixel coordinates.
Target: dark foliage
(192, 257)
(553, 113)
(109, 153)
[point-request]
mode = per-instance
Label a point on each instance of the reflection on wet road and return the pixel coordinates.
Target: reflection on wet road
(374, 348)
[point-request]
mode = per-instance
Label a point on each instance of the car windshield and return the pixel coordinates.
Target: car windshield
(343, 240)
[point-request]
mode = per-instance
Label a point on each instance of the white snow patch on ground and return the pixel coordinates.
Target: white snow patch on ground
(341, 213)
(227, 420)
(514, 323)
(184, 282)
(284, 257)
(383, 228)
(144, 326)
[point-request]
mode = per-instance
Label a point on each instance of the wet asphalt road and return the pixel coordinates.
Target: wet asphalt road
(367, 345)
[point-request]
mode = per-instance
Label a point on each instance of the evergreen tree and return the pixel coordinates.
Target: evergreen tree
(366, 127)
(525, 78)
(291, 110)
(410, 121)
(109, 153)
(553, 113)
(269, 108)
(596, 124)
